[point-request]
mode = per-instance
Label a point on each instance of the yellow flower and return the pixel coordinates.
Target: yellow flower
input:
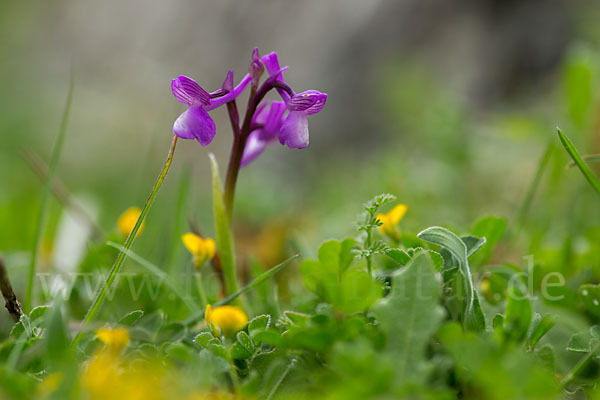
(49, 384)
(227, 319)
(390, 220)
(127, 221)
(115, 339)
(201, 249)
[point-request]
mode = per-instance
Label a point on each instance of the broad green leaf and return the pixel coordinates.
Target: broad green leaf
(409, 316)
(223, 231)
(473, 317)
(131, 318)
(357, 291)
(324, 275)
(583, 167)
(517, 315)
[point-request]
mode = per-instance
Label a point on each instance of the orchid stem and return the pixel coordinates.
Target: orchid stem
(240, 137)
(116, 268)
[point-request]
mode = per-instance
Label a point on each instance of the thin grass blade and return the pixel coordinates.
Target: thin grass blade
(583, 167)
(41, 221)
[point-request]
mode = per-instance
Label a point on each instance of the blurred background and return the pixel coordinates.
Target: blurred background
(449, 105)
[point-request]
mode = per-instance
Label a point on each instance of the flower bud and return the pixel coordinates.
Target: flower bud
(256, 68)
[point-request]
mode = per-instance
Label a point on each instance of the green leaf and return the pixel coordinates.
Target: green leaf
(218, 350)
(517, 315)
(239, 352)
(223, 231)
(245, 341)
(410, 315)
(203, 338)
(258, 323)
(404, 256)
(583, 167)
(323, 275)
(131, 318)
(473, 317)
(584, 342)
(539, 327)
(357, 291)
(270, 336)
(37, 314)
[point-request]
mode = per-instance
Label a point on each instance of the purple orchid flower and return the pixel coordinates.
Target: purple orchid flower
(195, 123)
(294, 131)
(266, 126)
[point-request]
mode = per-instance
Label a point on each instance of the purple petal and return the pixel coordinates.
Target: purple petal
(294, 131)
(273, 120)
(218, 102)
(254, 147)
(187, 91)
(195, 123)
(271, 62)
(309, 102)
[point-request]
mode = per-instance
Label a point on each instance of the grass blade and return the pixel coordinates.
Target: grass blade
(585, 170)
(162, 275)
(41, 221)
(259, 279)
(99, 299)
(535, 183)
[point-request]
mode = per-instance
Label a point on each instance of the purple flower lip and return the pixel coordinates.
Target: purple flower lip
(309, 102)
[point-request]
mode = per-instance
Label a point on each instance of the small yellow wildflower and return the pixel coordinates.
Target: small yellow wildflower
(115, 339)
(227, 319)
(127, 221)
(202, 249)
(49, 385)
(390, 220)
(484, 286)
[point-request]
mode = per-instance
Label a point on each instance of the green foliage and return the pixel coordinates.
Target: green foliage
(332, 278)
(472, 315)
(409, 316)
